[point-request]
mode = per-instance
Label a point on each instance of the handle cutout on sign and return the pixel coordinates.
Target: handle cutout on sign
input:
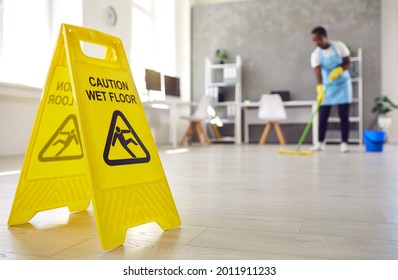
(98, 51)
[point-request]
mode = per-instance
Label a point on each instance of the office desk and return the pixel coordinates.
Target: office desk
(298, 112)
(172, 107)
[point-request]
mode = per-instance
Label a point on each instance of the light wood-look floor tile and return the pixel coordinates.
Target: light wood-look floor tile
(351, 229)
(237, 202)
(160, 250)
(317, 246)
(254, 222)
(390, 213)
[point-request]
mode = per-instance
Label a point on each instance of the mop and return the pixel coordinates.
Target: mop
(304, 134)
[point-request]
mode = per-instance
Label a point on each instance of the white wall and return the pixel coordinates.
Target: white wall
(183, 47)
(93, 17)
(1, 28)
(389, 45)
(18, 106)
(61, 11)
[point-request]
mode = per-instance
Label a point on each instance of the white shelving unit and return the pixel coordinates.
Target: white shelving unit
(224, 83)
(356, 108)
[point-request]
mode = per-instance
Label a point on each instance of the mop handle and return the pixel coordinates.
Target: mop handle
(307, 127)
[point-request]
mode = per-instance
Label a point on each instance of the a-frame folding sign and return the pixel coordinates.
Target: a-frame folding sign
(91, 140)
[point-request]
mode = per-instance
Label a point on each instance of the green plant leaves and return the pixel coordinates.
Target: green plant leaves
(222, 55)
(383, 105)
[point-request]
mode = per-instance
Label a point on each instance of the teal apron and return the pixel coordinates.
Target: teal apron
(340, 90)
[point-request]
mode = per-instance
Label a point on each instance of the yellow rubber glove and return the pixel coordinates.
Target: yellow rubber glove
(321, 93)
(336, 72)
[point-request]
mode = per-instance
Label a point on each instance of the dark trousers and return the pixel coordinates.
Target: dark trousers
(344, 112)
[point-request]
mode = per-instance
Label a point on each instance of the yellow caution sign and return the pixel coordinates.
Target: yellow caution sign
(91, 140)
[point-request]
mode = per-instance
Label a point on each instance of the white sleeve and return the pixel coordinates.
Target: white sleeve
(342, 49)
(315, 59)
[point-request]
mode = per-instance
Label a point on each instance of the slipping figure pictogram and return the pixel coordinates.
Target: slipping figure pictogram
(120, 130)
(119, 135)
(71, 136)
(64, 144)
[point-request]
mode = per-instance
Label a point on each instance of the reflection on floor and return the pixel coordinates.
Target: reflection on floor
(237, 202)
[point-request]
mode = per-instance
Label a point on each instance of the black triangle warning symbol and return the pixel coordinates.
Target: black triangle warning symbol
(64, 144)
(123, 146)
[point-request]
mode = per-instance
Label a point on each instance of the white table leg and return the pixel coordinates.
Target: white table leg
(173, 124)
(245, 127)
(238, 125)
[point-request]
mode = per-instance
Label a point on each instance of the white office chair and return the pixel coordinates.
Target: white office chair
(272, 110)
(195, 122)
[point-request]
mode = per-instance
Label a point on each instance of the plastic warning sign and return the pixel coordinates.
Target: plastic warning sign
(91, 140)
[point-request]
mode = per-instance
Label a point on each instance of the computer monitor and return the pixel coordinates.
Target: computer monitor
(152, 80)
(285, 94)
(172, 86)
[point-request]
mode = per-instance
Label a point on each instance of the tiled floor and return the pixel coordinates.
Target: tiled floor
(237, 202)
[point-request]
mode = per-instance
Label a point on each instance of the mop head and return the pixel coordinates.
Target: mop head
(296, 152)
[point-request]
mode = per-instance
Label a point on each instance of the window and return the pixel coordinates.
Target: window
(30, 29)
(25, 44)
(153, 39)
(70, 12)
(29, 33)
(142, 42)
(144, 4)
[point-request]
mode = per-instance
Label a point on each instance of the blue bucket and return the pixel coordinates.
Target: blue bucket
(374, 140)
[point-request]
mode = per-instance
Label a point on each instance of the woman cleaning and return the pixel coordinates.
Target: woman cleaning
(331, 61)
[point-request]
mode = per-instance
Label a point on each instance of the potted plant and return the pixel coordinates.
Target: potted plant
(383, 105)
(221, 56)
